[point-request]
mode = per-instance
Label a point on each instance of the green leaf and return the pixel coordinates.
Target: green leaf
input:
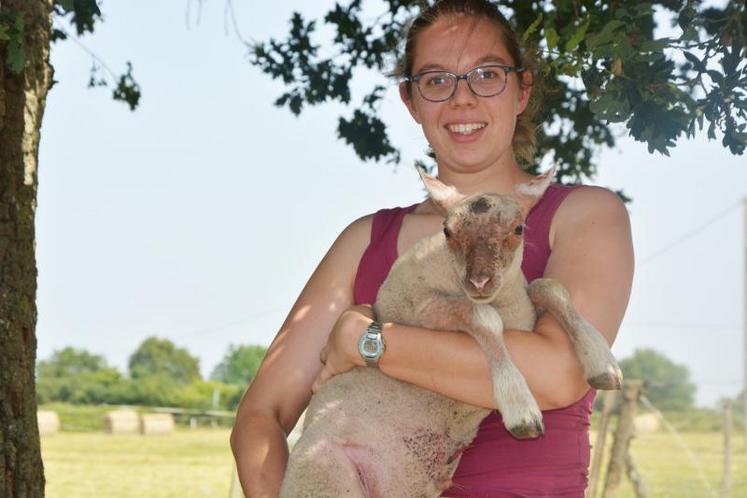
(690, 34)
(716, 77)
(610, 107)
(4, 32)
(606, 35)
(532, 28)
(552, 38)
(578, 35)
(655, 45)
(697, 63)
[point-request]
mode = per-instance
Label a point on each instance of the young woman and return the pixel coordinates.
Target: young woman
(467, 85)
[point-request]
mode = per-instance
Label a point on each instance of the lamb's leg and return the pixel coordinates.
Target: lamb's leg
(521, 415)
(600, 366)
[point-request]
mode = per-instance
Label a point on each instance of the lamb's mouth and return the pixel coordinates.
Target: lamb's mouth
(481, 298)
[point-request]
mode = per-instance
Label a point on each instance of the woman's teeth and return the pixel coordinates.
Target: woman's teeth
(465, 129)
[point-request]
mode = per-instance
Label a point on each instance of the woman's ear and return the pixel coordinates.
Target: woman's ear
(404, 94)
(526, 79)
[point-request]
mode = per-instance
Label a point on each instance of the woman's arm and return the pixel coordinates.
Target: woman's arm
(592, 256)
(282, 387)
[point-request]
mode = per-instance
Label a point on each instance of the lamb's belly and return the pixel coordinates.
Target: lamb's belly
(365, 407)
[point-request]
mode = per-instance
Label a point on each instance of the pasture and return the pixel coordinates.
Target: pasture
(198, 464)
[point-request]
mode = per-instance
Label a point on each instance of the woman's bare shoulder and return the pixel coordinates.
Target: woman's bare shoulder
(588, 204)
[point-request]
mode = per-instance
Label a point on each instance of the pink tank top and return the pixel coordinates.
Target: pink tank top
(496, 465)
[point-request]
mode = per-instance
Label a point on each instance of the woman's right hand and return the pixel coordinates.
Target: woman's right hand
(340, 354)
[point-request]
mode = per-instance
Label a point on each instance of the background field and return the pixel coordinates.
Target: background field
(199, 464)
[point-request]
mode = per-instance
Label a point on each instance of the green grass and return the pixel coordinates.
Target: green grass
(199, 464)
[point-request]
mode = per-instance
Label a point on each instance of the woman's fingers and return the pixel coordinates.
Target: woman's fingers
(323, 376)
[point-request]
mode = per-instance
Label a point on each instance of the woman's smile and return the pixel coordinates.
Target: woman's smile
(465, 132)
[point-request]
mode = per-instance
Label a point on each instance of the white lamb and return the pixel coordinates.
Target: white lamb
(368, 435)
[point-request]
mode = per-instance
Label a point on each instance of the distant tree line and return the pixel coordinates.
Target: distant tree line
(162, 374)
(159, 374)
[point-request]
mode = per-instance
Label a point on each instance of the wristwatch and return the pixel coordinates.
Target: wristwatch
(371, 344)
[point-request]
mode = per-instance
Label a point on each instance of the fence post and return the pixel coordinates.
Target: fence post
(596, 461)
(623, 434)
(726, 480)
(635, 477)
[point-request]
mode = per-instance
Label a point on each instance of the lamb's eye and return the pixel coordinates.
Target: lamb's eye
(447, 232)
(519, 230)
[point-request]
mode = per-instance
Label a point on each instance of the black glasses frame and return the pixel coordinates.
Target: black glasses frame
(465, 76)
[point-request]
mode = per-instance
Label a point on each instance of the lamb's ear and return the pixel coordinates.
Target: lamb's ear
(527, 194)
(443, 196)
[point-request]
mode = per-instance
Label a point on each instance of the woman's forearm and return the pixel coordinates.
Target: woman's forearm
(261, 452)
(452, 364)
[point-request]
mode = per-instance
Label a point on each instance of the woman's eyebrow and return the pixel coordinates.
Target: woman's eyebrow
(478, 62)
(490, 58)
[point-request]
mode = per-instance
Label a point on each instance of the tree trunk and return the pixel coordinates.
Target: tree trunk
(22, 100)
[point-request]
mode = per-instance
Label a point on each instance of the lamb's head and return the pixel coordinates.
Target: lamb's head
(485, 233)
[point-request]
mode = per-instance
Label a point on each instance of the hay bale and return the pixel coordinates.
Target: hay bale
(646, 423)
(156, 424)
(49, 422)
(121, 422)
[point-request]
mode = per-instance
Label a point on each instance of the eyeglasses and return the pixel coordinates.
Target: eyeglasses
(483, 81)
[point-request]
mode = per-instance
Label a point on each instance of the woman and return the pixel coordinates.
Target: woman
(579, 236)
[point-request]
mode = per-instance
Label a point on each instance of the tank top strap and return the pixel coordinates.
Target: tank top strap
(380, 254)
(537, 234)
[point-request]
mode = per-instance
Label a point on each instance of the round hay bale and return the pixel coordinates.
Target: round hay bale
(646, 423)
(121, 422)
(156, 424)
(49, 422)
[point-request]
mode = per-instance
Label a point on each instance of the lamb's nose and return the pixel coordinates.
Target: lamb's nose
(479, 282)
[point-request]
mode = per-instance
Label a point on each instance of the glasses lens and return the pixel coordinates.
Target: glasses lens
(487, 81)
(436, 86)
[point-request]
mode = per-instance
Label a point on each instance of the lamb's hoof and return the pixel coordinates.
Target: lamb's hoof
(607, 381)
(528, 430)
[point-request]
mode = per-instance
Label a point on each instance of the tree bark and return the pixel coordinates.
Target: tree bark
(22, 100)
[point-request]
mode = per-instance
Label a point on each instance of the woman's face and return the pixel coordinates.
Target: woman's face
(459, 44)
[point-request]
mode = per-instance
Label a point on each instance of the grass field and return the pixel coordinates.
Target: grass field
(185, 464)
(199, 464)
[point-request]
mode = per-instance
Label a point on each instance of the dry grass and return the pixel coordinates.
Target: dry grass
(185, 464)
(669, 472)
(199, 464)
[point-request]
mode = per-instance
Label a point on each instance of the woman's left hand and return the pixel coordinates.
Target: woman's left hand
(340, 354)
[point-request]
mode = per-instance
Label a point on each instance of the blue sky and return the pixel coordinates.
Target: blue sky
(200, 216)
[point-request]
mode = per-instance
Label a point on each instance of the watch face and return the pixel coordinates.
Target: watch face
(370, 347)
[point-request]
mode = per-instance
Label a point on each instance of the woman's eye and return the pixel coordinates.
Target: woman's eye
(487, 74)
(436, 80)
(519, 230)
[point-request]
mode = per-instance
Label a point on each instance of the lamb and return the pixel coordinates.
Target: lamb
(368, 435)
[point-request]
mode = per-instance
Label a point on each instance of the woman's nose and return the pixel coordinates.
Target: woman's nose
(463, 94)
